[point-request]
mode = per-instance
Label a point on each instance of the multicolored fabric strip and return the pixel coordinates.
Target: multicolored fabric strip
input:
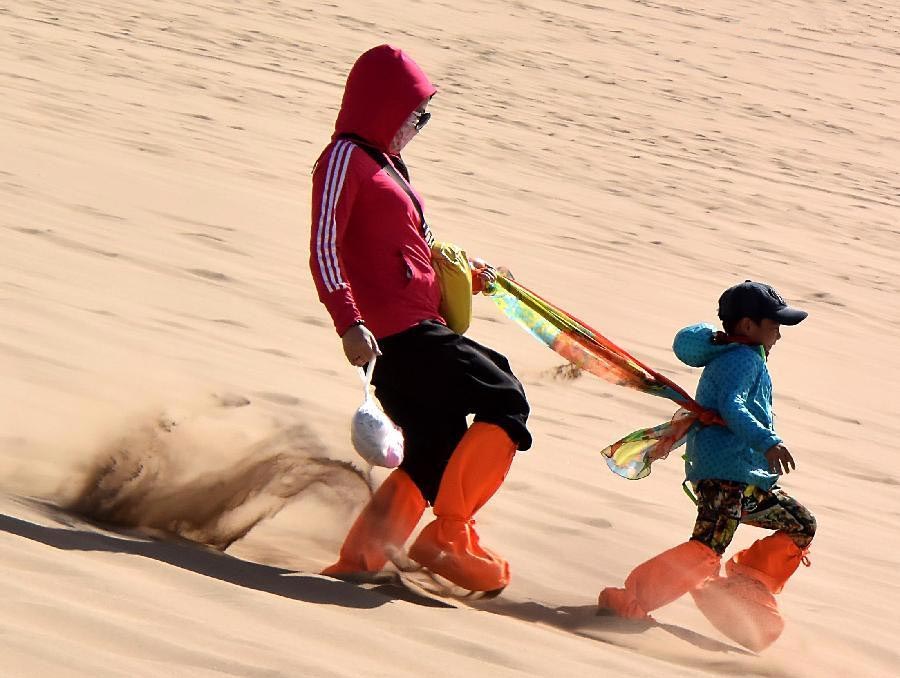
(590, 351)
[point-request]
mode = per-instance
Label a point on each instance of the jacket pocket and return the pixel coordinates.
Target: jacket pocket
(414, 271)
(420, 286)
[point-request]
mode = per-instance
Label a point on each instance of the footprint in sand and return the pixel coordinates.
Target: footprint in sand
(211, 275)
(279, 398)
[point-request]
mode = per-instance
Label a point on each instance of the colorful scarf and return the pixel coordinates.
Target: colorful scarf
(590, 351)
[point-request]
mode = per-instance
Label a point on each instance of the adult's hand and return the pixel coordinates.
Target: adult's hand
(779, 458)
(483, 275)
(360, 345)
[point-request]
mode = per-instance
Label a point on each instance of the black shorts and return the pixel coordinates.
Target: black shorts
(428, 380)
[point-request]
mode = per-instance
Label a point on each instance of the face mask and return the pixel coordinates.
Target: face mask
(401, 138)
(408, 130)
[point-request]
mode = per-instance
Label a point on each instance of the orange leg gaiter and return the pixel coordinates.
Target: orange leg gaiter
(387, 521)
(449, 545)
(661, 580)
(771, 560)
(742, 605)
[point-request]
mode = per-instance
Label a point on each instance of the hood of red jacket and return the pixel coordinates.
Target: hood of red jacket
(383, 88)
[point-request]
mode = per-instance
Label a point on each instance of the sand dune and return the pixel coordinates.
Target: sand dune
(628, 160)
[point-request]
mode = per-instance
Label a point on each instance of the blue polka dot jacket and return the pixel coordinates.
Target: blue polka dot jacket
(735, 383)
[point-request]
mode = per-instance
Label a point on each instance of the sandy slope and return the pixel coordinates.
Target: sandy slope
(629, 160)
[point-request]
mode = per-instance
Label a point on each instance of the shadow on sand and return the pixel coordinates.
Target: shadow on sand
(584, 621)
(580, 620)
(215, 564)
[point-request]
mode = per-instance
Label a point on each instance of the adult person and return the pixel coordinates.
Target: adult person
(370, 257)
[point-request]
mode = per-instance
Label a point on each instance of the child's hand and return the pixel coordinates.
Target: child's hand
(778, 458)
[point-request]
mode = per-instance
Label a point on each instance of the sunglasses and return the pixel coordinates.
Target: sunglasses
(420, 120)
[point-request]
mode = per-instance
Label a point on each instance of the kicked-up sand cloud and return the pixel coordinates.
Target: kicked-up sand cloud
(175, 477)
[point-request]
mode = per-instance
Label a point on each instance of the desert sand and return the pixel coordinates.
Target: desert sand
(165, 362)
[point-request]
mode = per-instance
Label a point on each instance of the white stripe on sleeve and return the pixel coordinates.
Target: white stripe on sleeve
(333, 231)
(326, 234)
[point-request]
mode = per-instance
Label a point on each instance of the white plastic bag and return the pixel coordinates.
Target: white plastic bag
(374, 435)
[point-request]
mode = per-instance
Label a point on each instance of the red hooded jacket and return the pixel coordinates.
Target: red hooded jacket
(368, 254)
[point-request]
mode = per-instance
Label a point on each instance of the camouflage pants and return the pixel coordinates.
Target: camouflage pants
(722, 505)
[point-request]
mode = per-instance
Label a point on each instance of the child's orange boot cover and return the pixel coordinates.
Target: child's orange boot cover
(661, 580)
(771, 560)
(386, 522)
(449, 546)
(742, 605)
(741, 608)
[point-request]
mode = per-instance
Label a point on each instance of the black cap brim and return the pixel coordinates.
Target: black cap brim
(789, 315)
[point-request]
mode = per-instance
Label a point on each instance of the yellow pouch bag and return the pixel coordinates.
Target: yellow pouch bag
(455, 276)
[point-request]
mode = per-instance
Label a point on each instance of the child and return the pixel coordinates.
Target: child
(733, 469)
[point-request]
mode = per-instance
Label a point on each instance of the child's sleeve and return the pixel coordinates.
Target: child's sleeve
(733, 378)
(333, 193)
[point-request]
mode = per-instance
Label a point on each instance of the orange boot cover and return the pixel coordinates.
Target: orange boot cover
(661, 580)
(386, 521)
(743, 609)
(742, 605)
(449, 545)
(771, 560)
